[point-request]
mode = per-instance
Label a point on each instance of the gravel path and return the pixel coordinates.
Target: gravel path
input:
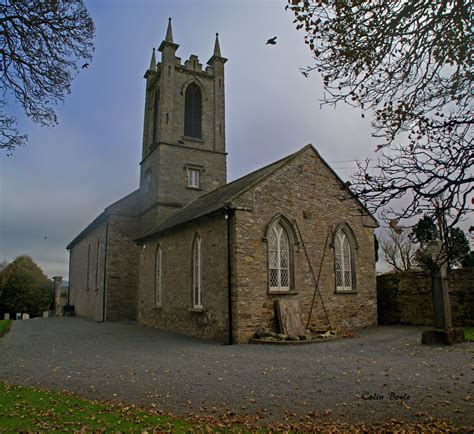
(331, 380)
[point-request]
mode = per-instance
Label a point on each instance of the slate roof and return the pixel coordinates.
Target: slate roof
(216, 199)
(102, 218)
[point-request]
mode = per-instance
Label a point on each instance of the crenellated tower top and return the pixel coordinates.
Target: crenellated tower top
(184, 117)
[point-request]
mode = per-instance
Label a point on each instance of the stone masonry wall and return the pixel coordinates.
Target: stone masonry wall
(166, 158)
(87, 281)
(176, 313)
(122, 269)
(405, 298)
(168, 167)
(306, 192)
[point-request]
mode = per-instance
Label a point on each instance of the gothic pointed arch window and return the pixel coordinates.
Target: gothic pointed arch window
(280, 241)
(88, 277)
(344, 259)
(158, 275)
(97, 257)
(156, 105)
(197, 273)
(193, 111)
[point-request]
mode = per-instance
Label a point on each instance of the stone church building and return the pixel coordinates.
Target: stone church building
(190, 253)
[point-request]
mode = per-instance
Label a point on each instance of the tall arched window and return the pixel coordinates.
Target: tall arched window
(197, 273)
(344, 252)
(158, 275)
(192, 111)
(88, 266)
(97, 257)
(280, 256)
(156, 104)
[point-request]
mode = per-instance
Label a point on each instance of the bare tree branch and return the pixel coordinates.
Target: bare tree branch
(398, 250)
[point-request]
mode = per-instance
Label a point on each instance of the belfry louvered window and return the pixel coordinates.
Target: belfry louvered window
(197, 274)
(192, 111)
(344, 262)
(279, 260)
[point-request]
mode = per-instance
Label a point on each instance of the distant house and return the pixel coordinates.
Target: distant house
(190, 253)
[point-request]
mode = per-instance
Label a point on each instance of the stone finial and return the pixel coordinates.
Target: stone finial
(217, 48)
(153, 61)
(169, 32)
(216, 56)
(57, 280)
(168, 41)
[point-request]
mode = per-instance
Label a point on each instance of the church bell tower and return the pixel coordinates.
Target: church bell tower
(184, 152)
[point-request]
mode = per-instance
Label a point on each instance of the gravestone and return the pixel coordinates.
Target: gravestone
(290, 318)
(25, 316)
(6, 316)
(18, 316)
(45, 314)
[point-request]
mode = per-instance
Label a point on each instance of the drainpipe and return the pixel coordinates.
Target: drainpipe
(228, 216)
(104, 311)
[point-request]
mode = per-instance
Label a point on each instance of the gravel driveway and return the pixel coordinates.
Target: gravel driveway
(382, 373)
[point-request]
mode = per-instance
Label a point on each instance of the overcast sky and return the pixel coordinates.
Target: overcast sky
(56, 185)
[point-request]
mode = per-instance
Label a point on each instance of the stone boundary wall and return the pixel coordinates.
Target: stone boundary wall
(405, 298)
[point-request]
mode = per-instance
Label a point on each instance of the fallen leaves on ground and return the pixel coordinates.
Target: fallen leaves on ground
(44, 410)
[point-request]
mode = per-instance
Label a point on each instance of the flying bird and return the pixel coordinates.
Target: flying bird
(45, 238)
(85, 65)
(272, 41)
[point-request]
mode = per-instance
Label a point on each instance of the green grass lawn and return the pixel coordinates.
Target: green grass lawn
(27, 409)
(469, 334)
(4, 326)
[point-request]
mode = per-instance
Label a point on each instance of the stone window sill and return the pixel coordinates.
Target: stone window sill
(196, 309)
(157, 307)
(193, 139)
(354, 291)
(282, 292)
(193, 188)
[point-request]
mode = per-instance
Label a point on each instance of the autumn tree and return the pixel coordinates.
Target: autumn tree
(3, 264)
(408, 64)
(24, 287)
(42, 46)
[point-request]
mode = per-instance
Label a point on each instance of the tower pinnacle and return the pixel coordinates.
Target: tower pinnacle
(153, 61)
(216, 56)
(168, 41)
(169, 32)
(217, 48)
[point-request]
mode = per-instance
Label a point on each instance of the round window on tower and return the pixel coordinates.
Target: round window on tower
(148, 182)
